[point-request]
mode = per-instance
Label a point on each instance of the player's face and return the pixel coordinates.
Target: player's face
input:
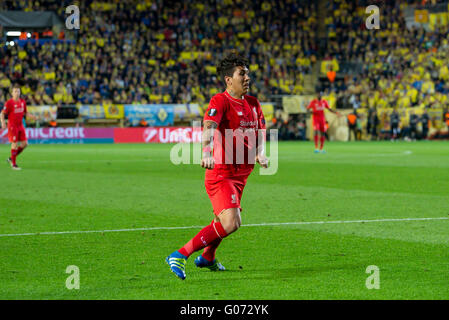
(16, 93)
(240, 80)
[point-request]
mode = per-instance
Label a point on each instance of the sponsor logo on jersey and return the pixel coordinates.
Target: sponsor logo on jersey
(212, 112)
(248, 123)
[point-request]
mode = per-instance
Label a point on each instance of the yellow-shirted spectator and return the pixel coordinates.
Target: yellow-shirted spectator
(213, 91)
(444, 72)
(22, 54)
(381, 103)
(404, 102)
(428, 87)
(57, 97)
(223, 21)
(166, 98)
(266, 6)
(412, 93)
(5, 82)
(100, 42)
(25, 90)
(155, 97)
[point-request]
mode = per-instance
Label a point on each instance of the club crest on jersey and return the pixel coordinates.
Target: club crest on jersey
(212, 112)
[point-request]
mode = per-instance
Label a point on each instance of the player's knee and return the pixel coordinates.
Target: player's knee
(231, 221)
(230, 226)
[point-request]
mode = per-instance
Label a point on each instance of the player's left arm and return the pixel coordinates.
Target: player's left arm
(261, 157)
(28, 115)
(326, 105)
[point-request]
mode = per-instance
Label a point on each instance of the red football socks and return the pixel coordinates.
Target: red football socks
(322, 138)
(19, 150)
(316, 141)
(208, 235)
(209, 251)
(13, 156)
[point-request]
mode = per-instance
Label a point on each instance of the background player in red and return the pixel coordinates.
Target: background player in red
(15, 109)
(227, 169)
(319, 120)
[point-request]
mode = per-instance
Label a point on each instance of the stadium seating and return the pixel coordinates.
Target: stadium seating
(133, 51)
(394, 66)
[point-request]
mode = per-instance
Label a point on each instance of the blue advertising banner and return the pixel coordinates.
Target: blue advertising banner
(91, 111)
(156, 115)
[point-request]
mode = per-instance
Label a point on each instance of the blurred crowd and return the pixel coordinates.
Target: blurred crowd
(154, 51)
(401, 67)
(394, 126)
(293, 127)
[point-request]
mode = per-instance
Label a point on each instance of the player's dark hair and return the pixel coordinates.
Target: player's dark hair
(15, 86)
(227, 66)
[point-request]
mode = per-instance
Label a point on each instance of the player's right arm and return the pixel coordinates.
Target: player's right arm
(2, 115)
(207, 140)
(310, 106)
(212, 118)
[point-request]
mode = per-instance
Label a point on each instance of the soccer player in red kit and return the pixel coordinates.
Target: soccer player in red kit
(15, 109)
(233, 122)
(319, 120)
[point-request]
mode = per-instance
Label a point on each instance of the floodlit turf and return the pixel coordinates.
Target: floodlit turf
(115, 187)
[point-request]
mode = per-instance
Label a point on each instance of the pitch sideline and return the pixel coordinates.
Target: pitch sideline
(244, 225)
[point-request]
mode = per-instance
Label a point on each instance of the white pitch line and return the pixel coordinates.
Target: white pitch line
(92, 160)
(245, 225)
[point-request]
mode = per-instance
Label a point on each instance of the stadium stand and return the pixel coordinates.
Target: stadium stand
(393, 67)
(134, 52)
(160, 52)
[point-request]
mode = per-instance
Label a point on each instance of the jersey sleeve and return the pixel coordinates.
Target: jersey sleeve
(261, 118)
(310, 106)
(6, 108)
(261, 125)
(326, 104)
(215, 111)
(24, 107)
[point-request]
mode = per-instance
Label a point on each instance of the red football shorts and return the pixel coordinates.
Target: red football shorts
(16, 134)
(319, 125)
(225, 193)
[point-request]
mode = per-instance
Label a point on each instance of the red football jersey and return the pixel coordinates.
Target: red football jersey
(318, 107)
(15, 111)
(236, 140)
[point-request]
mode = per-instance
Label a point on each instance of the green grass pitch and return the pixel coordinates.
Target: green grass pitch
(127, 187)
